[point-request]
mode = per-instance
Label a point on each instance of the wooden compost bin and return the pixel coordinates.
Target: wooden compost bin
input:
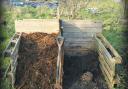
(82, 35)
(49, 26)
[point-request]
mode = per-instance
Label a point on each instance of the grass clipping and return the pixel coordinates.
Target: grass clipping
(37, 61)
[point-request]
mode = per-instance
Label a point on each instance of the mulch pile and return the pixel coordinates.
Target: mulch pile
(36, 67)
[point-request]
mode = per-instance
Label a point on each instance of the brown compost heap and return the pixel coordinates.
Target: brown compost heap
(36, 67)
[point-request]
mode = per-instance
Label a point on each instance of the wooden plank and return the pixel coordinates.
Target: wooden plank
(78, 34)
(76, 29)
(107, 66)
(103, 49)
(82, 39)
(81, 23)
(86, 45)
(82, 26)
(80, 47)
(110, 84)
(78, 52)
(117, 57)
(11, 46)
(107, 63)
(34, 25)
(16, 47)
(76, 46)
(79, 42)
(111, 64)
(110, 78)
(108, 59)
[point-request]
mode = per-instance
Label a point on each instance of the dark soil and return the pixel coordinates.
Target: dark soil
(37, 61)
(76, 66)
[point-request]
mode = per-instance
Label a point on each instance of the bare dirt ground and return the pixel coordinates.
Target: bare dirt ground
(37, 61)
(75, 68)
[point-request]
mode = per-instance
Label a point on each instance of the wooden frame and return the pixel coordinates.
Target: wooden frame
(12, 52)
(37, 25)
(108, 58)
(80, 36)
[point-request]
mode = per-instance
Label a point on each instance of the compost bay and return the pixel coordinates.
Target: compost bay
(83, 72)
(36, 67)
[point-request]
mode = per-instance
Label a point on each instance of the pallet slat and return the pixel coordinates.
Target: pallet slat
(81, 23)
(81, 26)
(77, 52)
(103, 61)
(79, 45)
(104, 50)
(78, 34)
(108, 61)
(73, 40)
(110, 78)
(110, 84)
(117, 57)
(76, 29)
(37, 25)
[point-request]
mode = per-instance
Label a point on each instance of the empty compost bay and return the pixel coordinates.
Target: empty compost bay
(78, 71)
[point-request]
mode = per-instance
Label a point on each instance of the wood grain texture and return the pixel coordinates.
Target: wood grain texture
(78, 34)
(79, 45)
(81, 23)
(117, 57)
(79, 39)
(108, 60)
(110, 84)
(76, 29)
(109, 67)
(37, 25)
(78, 51)
(81, 26)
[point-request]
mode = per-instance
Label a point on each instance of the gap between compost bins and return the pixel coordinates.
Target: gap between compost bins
(76, 66)
(36, 67)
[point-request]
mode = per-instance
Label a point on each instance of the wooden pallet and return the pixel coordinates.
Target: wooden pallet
(12, 52)
(108, 58)
(79, 36)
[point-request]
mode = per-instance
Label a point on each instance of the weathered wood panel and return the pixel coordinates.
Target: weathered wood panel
(81, 26)
(107, 58)
(110, 84)
(77, 51)
(115, 54)
(79, 39)
(76, 29)
(78, 34)
(83, 45)
(13, 45)
(37, 25)
(107, 66)
(12, 52)
(81, 23)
